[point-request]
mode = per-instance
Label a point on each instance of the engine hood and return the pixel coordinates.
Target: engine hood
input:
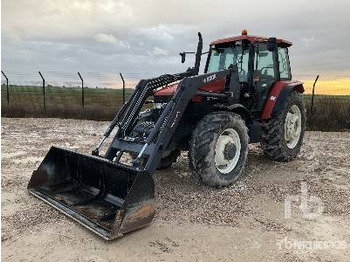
(166, 91)
(217, 85)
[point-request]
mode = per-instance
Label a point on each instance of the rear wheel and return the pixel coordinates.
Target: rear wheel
(219, 148)
(282, 136)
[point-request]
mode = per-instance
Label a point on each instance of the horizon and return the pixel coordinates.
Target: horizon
(145, 38)
(324, 86)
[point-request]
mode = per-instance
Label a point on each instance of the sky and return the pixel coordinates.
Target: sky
(143, 38)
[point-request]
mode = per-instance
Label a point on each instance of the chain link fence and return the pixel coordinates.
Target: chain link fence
(327, 102)
(98, 96)
(88, 95)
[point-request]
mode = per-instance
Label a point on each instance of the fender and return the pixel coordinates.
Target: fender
(236, 108)
(277, 97)
(254, 127)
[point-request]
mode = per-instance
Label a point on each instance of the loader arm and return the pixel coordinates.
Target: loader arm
(160, 136)
(130, 110)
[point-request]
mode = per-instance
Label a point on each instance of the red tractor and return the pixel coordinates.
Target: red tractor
(269, 111)
(246, 95)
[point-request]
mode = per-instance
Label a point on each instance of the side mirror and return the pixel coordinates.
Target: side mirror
(183, 57)
(272, 44)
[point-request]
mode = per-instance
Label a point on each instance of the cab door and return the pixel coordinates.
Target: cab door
(265, 73)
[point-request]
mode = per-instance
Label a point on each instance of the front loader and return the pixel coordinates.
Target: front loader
(213, 116)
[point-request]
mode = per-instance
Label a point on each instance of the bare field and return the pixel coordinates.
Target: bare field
(245, 222)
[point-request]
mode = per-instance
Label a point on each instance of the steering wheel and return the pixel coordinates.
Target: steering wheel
(265, 68)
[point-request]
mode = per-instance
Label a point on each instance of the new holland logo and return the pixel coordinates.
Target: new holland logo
(209, 78)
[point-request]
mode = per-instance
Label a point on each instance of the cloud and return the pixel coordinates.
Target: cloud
(109, 38)
(308, 40)
(105, 38)
(159, 51)
(160, 32)
(113, 7)
(146, 36)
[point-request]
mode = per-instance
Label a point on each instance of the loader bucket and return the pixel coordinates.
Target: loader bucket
(108, 198)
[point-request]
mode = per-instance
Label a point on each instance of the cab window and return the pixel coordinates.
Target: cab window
(223, 56)
(264, 64)
(283, 62)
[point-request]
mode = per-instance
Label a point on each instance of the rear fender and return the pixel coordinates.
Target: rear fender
(278, 95)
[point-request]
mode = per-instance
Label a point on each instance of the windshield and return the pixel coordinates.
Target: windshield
(222, 57)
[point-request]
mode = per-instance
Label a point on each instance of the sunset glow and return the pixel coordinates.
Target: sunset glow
(328, 87)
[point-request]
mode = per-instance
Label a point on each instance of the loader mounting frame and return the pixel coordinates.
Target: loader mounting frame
(160, 136)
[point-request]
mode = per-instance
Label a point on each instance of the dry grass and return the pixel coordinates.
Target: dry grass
(99, 104)
(330, 113)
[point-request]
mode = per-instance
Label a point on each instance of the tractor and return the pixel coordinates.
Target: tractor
(245, 95)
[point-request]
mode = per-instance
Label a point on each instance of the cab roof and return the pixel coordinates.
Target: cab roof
(252, 39)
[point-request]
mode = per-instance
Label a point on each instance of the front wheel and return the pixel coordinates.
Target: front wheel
(219, 148)
(282, 136)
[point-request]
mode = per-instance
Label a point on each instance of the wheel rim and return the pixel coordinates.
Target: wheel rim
(292, 126)
(227, 151)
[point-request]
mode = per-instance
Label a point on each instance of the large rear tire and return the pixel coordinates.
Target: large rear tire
(282, 136)
(219, 148)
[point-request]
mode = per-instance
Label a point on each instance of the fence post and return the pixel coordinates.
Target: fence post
(313, 94)
(7, 88)
(121, 76)
(82, 91)
(44, 91)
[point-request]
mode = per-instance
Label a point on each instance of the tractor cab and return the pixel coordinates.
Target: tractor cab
(260, 62)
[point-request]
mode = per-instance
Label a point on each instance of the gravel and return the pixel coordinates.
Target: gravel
(255, 202)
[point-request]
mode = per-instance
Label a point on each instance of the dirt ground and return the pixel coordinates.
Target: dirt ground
(248, 221)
